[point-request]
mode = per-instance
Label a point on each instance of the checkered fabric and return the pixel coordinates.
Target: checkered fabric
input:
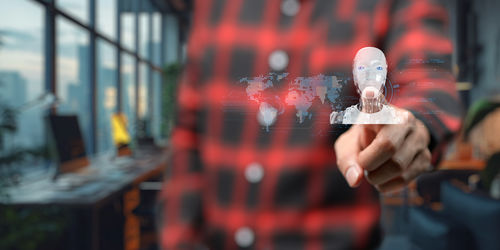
(234, 184)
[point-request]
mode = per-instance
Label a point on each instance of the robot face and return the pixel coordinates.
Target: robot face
(369, 70)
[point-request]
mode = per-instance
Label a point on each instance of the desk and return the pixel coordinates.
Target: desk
(99, 210)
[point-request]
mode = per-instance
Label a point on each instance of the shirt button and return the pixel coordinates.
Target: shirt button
(278, 60)
(254, 173)
(290, 7)
(244, 237)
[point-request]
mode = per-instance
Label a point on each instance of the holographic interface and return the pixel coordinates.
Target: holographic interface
(369, 74)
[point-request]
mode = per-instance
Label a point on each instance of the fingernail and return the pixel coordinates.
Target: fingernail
(352, 175)
(369, 94)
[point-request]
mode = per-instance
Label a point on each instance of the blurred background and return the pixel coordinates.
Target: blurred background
(92, 56)
(87, 59)
(92, 59)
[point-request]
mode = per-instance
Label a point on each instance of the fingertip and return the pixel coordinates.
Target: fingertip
(369, 93)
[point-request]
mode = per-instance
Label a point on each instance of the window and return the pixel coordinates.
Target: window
(127, 16)
(156, 39)
(106, 17)
(106, 94)
(171, 39)
(76, 8)
(143, 105)
(157, 112)
(73, 54)
(144, 29)
(73, 75)
(128, 91)
(22, 72)
(143, 108)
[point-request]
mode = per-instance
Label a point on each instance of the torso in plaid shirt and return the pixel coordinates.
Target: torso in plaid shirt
(232, 182)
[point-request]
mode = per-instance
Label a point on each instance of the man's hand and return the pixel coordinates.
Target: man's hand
(480, 136)
(388, 155)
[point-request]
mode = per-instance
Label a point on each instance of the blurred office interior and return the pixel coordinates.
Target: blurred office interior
(93, 59)
(80, 62)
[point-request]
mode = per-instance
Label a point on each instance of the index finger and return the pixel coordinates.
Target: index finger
(346, 152)
(389, 138)
(372, 100)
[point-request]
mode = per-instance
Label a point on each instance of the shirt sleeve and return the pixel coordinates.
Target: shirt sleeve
(414, 35)
(181, 199)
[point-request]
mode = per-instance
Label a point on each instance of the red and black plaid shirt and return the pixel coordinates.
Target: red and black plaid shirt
(234, 184)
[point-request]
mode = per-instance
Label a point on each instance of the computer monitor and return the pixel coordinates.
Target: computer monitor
(67, 143)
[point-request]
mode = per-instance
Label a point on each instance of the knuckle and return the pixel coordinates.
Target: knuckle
(423, 132)
(427, 155)
(387, 146)
(405, 117)
(398, 160)
(423, 137)
(420, 143)
(410, 118)
(399, 163)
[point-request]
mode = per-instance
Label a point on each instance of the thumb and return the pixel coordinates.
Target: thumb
(347, 156)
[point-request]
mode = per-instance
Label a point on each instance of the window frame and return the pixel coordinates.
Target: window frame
(50, 53)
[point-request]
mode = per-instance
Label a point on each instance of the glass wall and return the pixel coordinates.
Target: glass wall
(128, 92)
(143, 108)
(171, 38)
(22, 69)
(78, 9)
(106, 17)
(73, 75)
(156, 103)
(90, 60)
(106, 94)
(127, 18)
(156, 39)
(144, 28)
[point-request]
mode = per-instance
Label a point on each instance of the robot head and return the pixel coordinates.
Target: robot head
(369, 71)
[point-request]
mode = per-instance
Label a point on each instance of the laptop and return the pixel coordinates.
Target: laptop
(68, 147)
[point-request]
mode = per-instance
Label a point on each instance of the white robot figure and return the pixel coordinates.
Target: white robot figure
(369, 73)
